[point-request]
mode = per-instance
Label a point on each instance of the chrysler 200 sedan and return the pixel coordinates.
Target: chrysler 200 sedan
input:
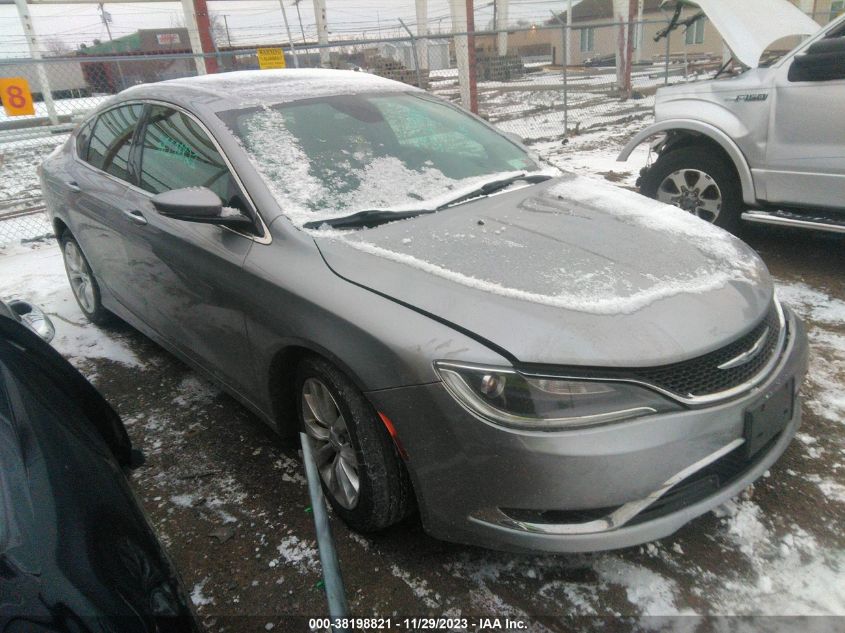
(532, 359)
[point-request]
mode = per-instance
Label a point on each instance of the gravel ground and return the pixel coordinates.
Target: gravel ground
(230, 501)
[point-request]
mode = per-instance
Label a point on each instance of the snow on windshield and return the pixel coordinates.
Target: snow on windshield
(383, 181)
(579, 244)
(332, 157)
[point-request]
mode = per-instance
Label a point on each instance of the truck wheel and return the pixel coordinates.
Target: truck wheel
(361, 472)
(699, 181)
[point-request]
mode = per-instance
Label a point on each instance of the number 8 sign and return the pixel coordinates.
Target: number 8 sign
(15, 95)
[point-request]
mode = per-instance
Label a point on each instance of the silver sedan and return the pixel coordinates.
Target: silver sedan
(531, 359)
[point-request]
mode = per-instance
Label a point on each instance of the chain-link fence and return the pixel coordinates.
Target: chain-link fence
(542, 82)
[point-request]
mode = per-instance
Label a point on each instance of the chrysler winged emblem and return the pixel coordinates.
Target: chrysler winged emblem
(748, 355)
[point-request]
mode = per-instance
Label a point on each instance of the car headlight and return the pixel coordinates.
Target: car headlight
(506, 397)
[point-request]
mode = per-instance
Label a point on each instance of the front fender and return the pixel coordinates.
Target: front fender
(714, 134)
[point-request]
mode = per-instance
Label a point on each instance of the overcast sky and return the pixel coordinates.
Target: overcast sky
(250, 21)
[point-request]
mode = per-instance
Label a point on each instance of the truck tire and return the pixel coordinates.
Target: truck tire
(700, 181)
(361, 472)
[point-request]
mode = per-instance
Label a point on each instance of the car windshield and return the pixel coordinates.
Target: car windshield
(329, 157)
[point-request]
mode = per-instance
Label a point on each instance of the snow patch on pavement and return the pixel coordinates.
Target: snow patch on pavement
(198, 597)
(793, 575)
(651, 593)
(299, 553)
(35, 272)
(194, 391)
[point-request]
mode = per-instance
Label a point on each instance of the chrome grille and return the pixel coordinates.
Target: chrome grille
(702, 376)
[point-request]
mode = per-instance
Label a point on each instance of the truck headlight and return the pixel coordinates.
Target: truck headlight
(506, 397)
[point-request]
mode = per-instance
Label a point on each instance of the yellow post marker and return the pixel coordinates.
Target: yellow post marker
(16, 97)
(271, 58)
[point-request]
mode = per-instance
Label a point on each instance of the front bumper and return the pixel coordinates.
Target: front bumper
(594, 489)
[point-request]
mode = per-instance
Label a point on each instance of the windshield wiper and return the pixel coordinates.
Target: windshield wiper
(375, 217)
(366, 219)
(493, 186)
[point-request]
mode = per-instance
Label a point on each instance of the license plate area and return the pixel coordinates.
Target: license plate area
(767, 418)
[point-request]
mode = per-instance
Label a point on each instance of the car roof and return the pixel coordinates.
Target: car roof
(246, 88)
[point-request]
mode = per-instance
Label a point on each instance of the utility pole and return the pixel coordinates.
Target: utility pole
(105, 16)
(463, 21)
(640, 30)
(302, 31)
(473, 75)
(629, 49)
(422, 32)
(193, 35)
(623, 15)
(203, 22)
(500, 23)
(35, 52)
(228, 37)
(290, 39)
(322, 31)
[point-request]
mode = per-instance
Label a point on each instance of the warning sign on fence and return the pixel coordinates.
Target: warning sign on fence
(271, 58)
(16, 97)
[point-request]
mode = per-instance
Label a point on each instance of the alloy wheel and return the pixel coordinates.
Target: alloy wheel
(80, 276)
(693, 191)
(333, 450)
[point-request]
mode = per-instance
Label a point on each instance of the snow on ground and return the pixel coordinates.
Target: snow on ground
(36, 273)
(768, 560)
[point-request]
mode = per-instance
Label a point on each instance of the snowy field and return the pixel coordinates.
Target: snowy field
(230, 502)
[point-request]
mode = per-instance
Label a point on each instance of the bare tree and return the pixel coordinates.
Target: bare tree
(218, 26)
(54, 47)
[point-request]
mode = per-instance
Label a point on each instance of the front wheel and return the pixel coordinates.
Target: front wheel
(361, 472)
(699, 181)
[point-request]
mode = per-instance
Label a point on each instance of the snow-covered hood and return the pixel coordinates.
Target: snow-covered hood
(571, 271)
(749, 27)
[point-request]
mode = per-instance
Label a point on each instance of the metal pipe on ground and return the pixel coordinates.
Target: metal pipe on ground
(333, 581)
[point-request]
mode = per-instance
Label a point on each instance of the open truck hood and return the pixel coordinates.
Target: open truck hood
(749, 27)
(570, 272)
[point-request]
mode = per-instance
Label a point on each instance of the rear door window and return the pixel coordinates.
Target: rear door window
(111, 137)
(177, 153)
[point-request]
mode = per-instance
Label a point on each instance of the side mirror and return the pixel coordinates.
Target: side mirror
(822, 61)
(34, 318)
(199, 204)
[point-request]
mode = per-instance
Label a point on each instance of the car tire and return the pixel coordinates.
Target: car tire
(708, 179)
(83, 283)
(384, 494)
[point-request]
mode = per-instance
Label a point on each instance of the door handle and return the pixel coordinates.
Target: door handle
(136, 217)
(72, 186)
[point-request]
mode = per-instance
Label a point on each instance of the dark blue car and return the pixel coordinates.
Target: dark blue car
(77, 552)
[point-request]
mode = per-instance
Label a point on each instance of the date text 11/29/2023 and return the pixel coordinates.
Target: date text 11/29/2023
(470, 625)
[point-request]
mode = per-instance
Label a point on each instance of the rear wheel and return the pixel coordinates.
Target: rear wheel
(84, 285)
(698, 180)
(361, 471)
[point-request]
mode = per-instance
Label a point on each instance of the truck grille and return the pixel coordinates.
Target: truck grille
(702, 376)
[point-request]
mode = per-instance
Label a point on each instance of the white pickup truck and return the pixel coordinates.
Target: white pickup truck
(766, 145)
